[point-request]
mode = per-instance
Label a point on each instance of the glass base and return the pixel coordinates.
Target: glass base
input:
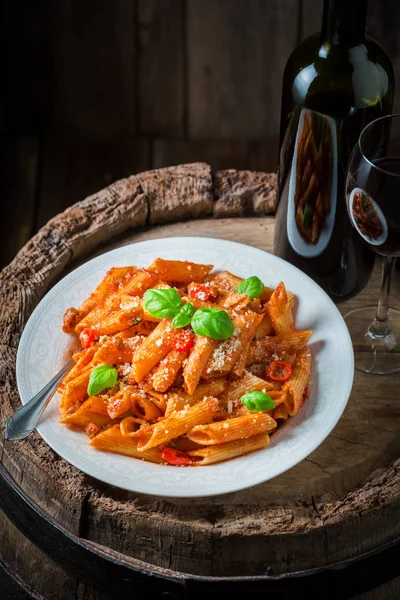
(374, 354)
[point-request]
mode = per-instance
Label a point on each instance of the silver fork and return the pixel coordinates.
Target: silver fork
(25, 419)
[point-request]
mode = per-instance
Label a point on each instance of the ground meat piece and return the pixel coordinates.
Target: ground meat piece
(70, 319)
(92, 430)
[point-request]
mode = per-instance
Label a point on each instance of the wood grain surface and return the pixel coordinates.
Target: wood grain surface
(339, 503)
(234, 80)
(161, 67)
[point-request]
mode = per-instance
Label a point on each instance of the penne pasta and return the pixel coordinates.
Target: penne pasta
(116, 350)
(132, 426)
(296, 386)
(75, 391)
(84, 358)
(163, 375)
(264, 328)
(93, 410)
(175, 396)
(228, 450)
(236, 389)
(281, 413)
(178, 424)
(196, 362)
(118, 405)
(179, 401)
(143, 407)
(114, 278)
(280, 310)
(112, 440)
(137, 285)
(179, 271)
(128, 314)
(261, 350)
(252, 322)
(160, 400)
(152, 350)
(234, 300)
(226, 353)
(237, 428)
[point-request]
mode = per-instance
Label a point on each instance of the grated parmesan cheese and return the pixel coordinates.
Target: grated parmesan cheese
(126, 305)
(224, 352)
(126, 369)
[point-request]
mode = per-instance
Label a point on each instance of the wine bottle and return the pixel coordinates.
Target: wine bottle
(334, 83)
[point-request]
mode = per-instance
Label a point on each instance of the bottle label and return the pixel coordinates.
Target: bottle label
(313, 182)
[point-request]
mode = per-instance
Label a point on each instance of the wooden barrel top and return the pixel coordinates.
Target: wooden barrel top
(340, 503)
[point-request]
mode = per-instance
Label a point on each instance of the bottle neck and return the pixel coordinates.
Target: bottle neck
(343, 22)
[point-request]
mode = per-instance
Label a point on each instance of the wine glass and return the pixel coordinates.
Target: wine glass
(373, 204)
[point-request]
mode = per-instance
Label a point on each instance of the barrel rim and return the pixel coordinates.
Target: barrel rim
(377, 566)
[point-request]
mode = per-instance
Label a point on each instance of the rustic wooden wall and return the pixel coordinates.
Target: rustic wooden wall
(98, 89)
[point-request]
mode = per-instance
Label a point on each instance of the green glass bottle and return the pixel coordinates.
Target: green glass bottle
(335, 82)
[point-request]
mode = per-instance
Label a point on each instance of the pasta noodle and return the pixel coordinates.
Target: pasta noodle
(164, 391)
(237, 428)
(228, 450)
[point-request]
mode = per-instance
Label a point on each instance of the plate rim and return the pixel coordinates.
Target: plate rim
(231, 486)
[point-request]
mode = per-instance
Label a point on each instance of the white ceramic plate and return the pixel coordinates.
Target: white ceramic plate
(43, 348)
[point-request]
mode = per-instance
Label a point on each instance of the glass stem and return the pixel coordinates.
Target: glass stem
(380, 325)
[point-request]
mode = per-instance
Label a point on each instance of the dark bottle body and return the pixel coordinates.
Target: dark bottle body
(334, 84)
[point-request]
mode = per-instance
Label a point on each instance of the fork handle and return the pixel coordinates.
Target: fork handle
(25, 419)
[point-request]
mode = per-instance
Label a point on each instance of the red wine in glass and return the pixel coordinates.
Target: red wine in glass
(373, 204)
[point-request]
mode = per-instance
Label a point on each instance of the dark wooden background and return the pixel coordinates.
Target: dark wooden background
(94, 90)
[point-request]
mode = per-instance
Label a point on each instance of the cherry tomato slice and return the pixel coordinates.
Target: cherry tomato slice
(175, 457)
(183, 341)
(279, 370)
(202, 292)
(87, 337)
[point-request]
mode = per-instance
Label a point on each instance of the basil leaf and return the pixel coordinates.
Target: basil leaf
(213, 323)
(162, 304)
(252, 286)
(184, 316)
(257, 401)
(101, 378)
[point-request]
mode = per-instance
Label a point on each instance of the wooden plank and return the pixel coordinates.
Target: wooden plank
(73, 170)
(220, 154)
(20, 163)
(383, 23)
(311, 17)
(387, 591)
(25, 97)
(93, 53)
(13, 589)
(161, 66)
(27, 573)
(236, 56)
(36, 571)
